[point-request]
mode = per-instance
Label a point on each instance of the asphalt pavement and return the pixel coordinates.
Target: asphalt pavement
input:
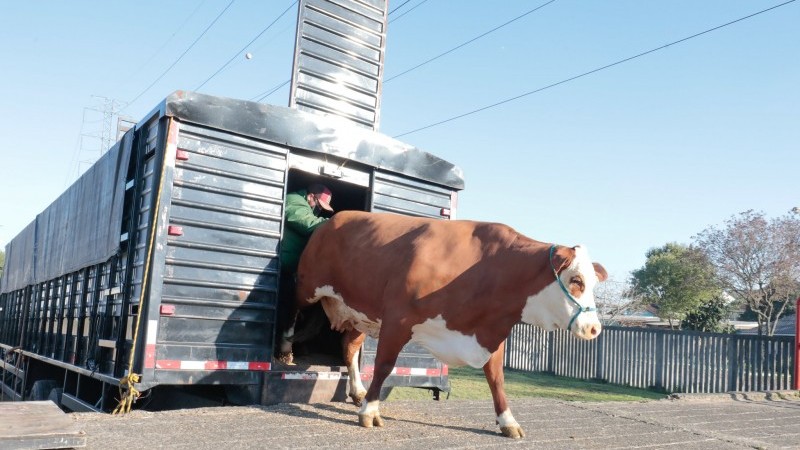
(755, 421)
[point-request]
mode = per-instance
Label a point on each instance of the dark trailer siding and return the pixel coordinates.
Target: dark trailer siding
(189, 206)
(218, 289)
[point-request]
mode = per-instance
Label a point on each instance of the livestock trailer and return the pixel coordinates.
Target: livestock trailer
(162, 259)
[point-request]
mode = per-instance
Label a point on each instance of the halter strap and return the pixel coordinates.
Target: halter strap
(569, 296)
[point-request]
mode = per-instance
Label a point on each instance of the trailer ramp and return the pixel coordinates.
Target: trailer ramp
(38, 425)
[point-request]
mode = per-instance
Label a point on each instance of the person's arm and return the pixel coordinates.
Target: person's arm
(300, 217)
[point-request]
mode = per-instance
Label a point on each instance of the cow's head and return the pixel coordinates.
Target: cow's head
(568, 301)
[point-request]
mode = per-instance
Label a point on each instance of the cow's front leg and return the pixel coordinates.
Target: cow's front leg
(351, 350)
(494, 376)
(390, 342)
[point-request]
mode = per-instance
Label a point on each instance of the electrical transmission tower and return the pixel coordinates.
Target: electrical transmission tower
(101, 128)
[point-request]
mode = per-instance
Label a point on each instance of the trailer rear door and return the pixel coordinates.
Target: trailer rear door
(218, 288)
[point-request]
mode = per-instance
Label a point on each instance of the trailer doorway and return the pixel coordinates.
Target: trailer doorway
(318, 345)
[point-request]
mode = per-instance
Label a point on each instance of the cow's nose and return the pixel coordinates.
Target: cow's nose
(593, 331)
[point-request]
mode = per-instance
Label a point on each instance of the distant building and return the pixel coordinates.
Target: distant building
(786, 326)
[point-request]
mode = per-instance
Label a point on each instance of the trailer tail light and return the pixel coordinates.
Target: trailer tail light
(181, 155)
(174, 230)
(444, 212)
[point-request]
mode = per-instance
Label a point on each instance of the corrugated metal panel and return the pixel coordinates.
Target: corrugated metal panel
(396, 194)
(338, 61)
(221, 266)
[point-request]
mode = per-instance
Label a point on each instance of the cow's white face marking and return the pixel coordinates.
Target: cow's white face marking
(551, 309)
(343, 317)
(451, 347)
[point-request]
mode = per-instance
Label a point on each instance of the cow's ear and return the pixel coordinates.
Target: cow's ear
(600, 271)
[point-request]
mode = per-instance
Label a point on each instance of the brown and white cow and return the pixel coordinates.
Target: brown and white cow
(455, 287)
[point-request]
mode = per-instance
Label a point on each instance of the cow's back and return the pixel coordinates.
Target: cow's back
(382, 261)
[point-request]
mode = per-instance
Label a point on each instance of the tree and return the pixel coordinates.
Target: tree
(710, 316)
(758, 262)
(612, 299)
(676, 279)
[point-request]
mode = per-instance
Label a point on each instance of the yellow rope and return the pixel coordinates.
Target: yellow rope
(126, 400)
(129, 381)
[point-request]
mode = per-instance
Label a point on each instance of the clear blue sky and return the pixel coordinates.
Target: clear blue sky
(647, 152)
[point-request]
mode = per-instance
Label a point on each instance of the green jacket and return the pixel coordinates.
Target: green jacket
(299, 222)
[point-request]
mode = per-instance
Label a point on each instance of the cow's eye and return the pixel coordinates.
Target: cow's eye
(577, 282)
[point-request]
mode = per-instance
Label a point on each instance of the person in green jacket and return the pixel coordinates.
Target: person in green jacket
(303, 212)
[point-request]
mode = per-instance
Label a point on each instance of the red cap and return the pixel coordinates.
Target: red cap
(323, 196)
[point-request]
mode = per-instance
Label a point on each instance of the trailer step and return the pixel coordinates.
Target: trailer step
(38, 425)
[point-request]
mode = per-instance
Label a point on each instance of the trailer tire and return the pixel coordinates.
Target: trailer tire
(40, 390)
(55, 396)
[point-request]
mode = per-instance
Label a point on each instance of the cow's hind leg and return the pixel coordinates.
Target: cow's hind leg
(390, 343)
(494, 376)
(351, 349)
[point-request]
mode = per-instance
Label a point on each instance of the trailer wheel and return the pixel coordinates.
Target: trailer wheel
(41, 390)
(55, 396)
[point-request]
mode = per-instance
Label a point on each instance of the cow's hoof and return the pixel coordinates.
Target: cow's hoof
(369, 420)
(358, 398)
(286, 358)
(514, 432)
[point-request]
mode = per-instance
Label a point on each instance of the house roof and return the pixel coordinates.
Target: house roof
(786, 326)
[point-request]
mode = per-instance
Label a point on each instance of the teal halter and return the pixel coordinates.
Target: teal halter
(569, 296)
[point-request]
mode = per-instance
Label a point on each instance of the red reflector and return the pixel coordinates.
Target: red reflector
(444, 212)
(444, 370)
(168, 364)
(216, 365)
(181, 155)
(150, 356)
(167, 310)
(259, 366)
(402, 370)
(174, 230)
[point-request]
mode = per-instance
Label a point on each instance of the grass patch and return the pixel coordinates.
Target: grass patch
(470, 384)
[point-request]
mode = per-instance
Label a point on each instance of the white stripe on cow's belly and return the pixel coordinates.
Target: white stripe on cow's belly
(343, 317)
(451, 347)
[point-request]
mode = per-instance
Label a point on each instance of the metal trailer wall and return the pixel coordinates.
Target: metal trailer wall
(192, 283)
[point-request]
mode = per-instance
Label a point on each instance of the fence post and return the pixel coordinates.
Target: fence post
(733, 364)
(600, 363)
(797, 345)
(551, 352)
(660, 360)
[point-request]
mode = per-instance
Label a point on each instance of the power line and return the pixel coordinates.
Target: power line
(183, 54)
(269, 92)
(412, 8)
(589, 72)
(247, 45)
(398, 7)
(468, 42)
(169, 39)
